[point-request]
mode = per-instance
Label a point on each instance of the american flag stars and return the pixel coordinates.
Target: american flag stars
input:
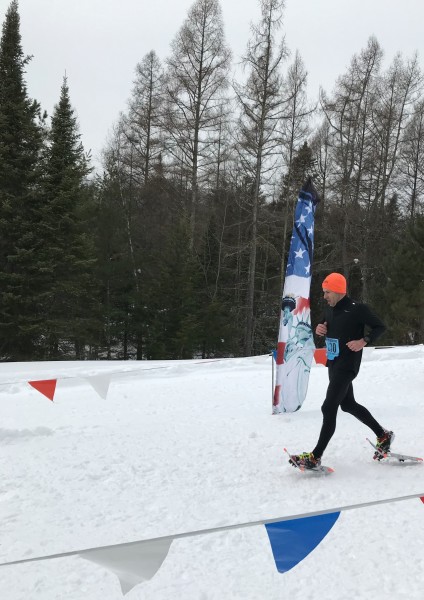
(301, 247)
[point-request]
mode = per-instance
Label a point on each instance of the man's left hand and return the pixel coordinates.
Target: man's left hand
(356, 345)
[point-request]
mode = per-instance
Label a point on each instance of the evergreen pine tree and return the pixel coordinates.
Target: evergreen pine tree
(217, 314)
(174, 330)
(67, 259)
(404, 291)
(115, 269)
(21, 137)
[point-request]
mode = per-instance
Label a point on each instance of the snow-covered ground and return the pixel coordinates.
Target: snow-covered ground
(189, 445)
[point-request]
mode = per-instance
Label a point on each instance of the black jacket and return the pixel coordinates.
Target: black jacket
(346, 321)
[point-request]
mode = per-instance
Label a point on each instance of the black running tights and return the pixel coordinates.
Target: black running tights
(340, 393)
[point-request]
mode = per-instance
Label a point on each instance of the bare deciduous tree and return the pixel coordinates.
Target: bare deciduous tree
(141, 124)
(411, 167)
(258, 140)
(294, 132)
(349, 114)
(196, 79)
(397, 92)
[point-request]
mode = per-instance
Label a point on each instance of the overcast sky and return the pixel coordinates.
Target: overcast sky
(99, 42)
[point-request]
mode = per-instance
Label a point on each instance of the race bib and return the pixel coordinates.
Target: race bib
(333, 349)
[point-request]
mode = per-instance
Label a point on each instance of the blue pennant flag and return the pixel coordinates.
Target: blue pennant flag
(291, 541)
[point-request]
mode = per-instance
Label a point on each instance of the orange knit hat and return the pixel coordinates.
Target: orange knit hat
(335, 282)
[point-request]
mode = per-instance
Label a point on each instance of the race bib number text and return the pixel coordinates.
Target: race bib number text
(333, 349)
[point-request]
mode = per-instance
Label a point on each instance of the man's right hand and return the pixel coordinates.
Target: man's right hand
(321, 329)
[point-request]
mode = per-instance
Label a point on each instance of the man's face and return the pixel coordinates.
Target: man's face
(332, 297)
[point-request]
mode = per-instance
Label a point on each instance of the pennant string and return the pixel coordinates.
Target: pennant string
(220, 529)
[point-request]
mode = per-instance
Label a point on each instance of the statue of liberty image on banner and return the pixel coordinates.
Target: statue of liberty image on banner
(296, 347)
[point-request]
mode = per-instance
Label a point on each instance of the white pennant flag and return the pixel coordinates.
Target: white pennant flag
(133, 563)
(100, 384)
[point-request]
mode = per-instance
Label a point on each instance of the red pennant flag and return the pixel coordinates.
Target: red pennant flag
(320, 356)
(45, 386)
(422, 499)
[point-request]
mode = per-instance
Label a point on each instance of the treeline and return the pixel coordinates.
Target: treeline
(177, 249)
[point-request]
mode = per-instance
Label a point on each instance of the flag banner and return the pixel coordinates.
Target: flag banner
(45, 386)
(292, 541)
(296, 347)
(131, 564)
(292, 538)
(100, 383)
